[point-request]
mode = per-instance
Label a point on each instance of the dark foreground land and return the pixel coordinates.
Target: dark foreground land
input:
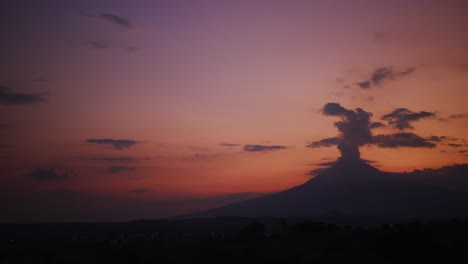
(234, 241)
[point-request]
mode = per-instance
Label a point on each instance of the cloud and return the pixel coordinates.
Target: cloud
(51, 174)
(326, 142)
(117, 20)
(119, 144)
(199, 148)
(230, 145)
(204, 156)
(455, 116)
(123, 159)
(140, 191)
(8, 97)
(437, 138)
(400, 118)
(374, 125)
(100, 45)
(43, 80)
(448, 141)
(379, 35)
(383, 74)
(259, 148)
(131, 48)
(402, 140)
(364, 85)
(117, 169)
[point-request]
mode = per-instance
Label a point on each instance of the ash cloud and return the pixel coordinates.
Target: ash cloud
(326, 142)
(119, 144)
(260, 148)
(10, 97)
(354, 127)
(355, 131)
(401, 118)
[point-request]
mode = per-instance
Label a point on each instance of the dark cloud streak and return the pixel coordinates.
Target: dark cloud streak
(260, 148)
(326, 142)
(374, 125)
(119, 144)
(117, 20)
(8, 97)
(402, 140)
(455, 116)
(99, 45)
(140, 191)
(401, 118)
(51, 174)
(117, 169)
(230, 145)
(382, 74)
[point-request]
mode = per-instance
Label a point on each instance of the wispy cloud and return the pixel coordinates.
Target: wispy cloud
(259, 148)
(9, 97)
(401, 118)
(230, 145)
(118, 144)
(383, 74)
(326, 142)
(118, 169)
(455, 116)
(99, 44)
(374, 125)
(123, 159)
(140, 191)
(51, 174)
(117, 20)
(402, 140)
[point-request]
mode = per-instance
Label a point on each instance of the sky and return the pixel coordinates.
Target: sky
(123, 110)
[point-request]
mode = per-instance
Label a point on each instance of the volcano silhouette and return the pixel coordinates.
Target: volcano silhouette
(352, 188)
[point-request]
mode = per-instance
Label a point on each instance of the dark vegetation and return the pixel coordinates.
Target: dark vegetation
(235, 240)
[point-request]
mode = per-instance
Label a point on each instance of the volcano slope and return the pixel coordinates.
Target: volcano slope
(352, 188)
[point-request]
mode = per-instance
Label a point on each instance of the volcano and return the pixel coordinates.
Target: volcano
(352, 188)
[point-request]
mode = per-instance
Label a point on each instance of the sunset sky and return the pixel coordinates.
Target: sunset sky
(123, 110)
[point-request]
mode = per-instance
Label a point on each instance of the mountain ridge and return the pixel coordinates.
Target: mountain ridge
(352, 188)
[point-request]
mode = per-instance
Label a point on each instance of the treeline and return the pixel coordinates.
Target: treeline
(302, 242)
